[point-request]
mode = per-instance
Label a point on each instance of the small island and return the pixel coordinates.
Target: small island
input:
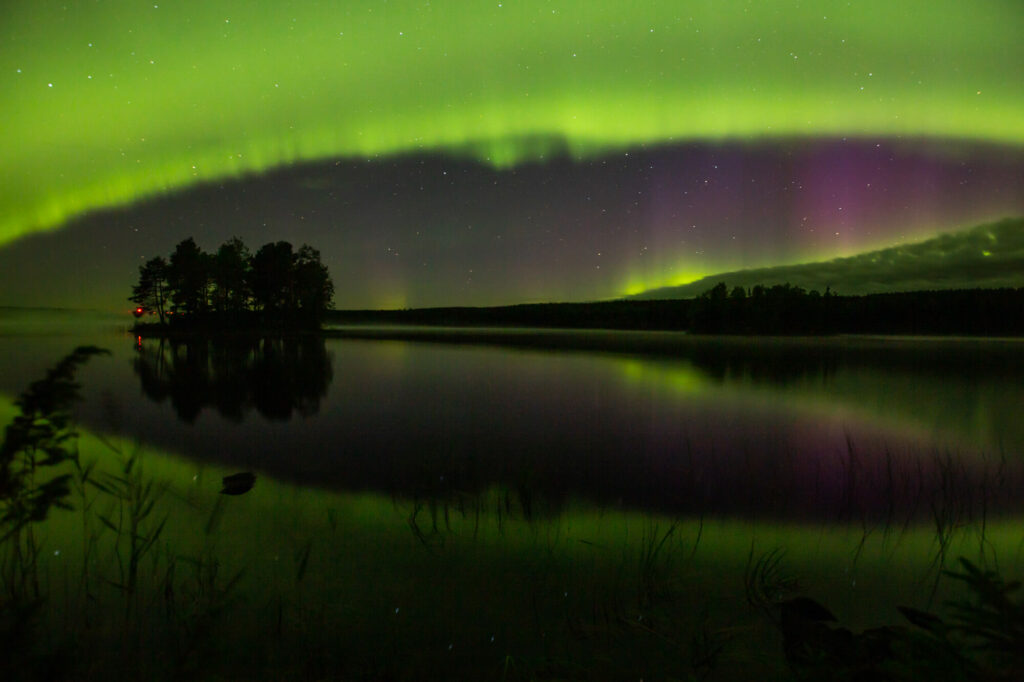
(277, 288)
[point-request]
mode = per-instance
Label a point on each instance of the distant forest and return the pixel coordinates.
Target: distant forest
(275, 286)
(785, 309)
(780, 309)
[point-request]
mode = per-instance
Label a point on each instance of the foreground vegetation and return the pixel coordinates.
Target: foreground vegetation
(122, 564)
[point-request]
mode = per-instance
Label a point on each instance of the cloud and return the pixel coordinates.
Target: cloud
(986, 256)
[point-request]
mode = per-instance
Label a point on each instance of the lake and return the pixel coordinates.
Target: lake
(642, 474)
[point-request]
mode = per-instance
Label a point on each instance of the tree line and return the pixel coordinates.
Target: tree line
(778, 309)
(764, 309)
(788, 309)
(277, 284)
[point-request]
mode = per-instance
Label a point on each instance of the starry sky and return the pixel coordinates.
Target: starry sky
(494, 152)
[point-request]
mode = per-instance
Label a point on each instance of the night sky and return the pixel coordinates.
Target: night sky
(497, 152)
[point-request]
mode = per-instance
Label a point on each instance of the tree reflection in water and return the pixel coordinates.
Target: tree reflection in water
(274, 376)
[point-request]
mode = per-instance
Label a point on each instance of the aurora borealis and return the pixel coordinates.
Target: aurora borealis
(476, 153)
(988, 256)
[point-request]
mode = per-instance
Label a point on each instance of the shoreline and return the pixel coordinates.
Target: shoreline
(636, 340)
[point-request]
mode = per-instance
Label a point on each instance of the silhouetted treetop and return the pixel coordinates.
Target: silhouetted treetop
(152, 291)
(189, 277)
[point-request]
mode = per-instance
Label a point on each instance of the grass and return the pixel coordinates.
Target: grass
(300, 585)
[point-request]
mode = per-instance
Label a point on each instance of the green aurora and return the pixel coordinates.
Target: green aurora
(985, 256)
(106, 103)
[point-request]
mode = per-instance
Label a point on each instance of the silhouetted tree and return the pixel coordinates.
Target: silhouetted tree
(717, 292)
(189, 276)
(313, 286)
(272, 278)
(231, 267)
(152, 291)
(708, 312)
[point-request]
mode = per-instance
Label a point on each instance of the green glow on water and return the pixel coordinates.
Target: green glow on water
(680, 378)
(105, 103)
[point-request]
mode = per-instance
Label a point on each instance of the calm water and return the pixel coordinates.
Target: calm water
(741, 428)
(511, 508)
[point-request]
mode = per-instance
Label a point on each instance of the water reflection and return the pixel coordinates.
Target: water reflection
(274, 376)
(736, 427)
(788, 429)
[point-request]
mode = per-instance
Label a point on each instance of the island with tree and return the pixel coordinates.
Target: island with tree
(275, 288)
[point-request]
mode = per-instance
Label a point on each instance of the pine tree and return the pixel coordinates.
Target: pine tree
(152, 291)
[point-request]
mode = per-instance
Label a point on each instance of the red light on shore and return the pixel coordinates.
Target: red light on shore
(138, 312)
